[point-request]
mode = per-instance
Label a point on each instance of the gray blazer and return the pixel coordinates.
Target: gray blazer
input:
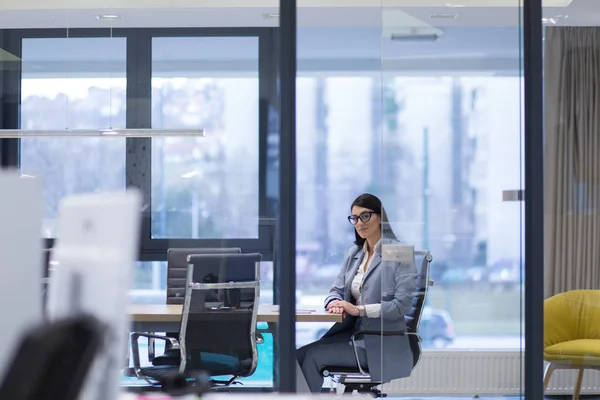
(393, 285)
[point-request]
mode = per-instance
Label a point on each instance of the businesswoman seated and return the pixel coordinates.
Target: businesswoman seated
(371, 295)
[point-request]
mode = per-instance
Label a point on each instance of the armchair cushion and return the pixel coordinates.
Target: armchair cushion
(577, 352)
(571, 316)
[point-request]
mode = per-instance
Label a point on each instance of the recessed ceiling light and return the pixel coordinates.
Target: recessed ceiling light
(108, 17)
(417, 37)
(454, 5)
(554, 20)
(270, 15)
(443, 16)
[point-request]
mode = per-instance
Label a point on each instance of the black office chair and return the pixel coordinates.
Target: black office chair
(218, 323)
(177, 264)
(352, 378)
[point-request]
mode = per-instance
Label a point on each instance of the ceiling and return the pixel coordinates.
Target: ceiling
(210, 13)
(352, 31)
(137, 4)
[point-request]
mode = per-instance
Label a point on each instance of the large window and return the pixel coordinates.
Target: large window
(439, 151)
(72, 83)
(199, 187)
(206, 187)
(198, 191)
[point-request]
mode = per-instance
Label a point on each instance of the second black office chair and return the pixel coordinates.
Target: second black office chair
(177, 263)
(218, 323)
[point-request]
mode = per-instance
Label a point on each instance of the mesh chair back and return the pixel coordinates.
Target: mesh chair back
(177, 269)
(218, 329)
(413, 317)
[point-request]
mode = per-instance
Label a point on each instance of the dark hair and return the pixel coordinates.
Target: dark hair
(372, 202)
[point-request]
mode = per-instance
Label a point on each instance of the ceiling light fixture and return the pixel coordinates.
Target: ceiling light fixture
(138, 133)
(554, 20)
(423, 37)
(443, 16)
(270, 15)
(453, 5)
(108, 17)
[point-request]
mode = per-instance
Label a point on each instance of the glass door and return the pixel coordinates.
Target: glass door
(450, 152)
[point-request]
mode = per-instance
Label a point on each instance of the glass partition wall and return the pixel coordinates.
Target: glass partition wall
(407, 167)
(448, 166)
(422, 106)
(192, 68)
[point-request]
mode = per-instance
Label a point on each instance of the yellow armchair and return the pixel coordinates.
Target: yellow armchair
(572, 333)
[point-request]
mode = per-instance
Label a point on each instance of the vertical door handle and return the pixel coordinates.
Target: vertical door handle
(513, 195)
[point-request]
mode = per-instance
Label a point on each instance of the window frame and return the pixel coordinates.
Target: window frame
(138, 153)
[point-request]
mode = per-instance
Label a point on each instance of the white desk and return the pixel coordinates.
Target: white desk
(166, 318)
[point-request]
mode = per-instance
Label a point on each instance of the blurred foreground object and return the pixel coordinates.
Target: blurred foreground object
(53, 360)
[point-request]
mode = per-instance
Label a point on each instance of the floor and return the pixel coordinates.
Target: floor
(265, 390)
(135, 385)
(582, 397)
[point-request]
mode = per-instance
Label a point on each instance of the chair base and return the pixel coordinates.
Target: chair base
(169, 380)
(362, 388)
(353, 380)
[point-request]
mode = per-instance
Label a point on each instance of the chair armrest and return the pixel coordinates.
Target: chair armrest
(174, 343)
(387, 333)
(380, 333)
(415, 334)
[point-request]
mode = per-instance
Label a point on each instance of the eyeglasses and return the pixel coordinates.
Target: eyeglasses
(364, 217)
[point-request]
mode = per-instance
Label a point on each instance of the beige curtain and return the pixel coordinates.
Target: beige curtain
(572, 159)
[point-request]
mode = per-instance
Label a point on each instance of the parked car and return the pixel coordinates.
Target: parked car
(436, 328)
(505, 275)
(459, 276)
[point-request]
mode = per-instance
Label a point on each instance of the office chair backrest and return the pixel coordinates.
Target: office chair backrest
(177, 269)
(52, 360)
(413, 317)
(219, 314)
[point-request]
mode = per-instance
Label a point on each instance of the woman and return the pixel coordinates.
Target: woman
(371, 295)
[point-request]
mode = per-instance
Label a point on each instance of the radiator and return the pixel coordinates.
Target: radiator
(469, 373)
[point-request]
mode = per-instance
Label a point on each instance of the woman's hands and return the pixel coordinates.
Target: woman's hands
(342, 307)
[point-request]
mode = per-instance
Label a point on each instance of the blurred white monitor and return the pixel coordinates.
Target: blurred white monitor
(20, 259)
(93, 262)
